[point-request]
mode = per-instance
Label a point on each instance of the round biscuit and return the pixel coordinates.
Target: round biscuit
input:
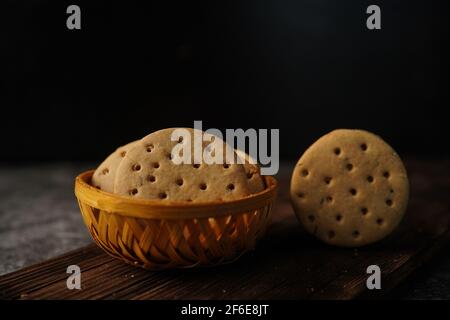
(147, 171)
(104, 176)
(349, 188)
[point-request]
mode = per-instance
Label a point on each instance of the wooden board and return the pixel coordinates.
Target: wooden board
(287, 263)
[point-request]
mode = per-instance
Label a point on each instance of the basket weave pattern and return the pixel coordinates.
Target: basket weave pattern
(178, 237)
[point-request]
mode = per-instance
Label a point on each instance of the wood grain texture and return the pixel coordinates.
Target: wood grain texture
(287, 263)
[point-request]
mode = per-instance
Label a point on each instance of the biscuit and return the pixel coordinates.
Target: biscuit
(255, 180)
(104, 176)
(147, 171)
(349, 188)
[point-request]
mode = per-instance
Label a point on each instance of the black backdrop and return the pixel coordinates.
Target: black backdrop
(305, 67)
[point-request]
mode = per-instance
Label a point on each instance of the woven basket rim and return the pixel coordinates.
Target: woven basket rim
(167, 209)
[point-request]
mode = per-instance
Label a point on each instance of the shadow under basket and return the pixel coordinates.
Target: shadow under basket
(164, 234)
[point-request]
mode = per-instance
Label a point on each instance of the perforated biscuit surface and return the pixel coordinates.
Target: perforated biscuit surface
(147, 171)
(350, 188)
(253, 171)
(105, 174)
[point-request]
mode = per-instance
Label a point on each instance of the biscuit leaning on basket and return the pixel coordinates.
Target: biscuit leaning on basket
(147, 171)
(253, 171)
(104, 176)
(349, 188)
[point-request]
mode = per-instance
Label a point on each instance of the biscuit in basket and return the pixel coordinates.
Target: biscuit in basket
(349, 188)
(147, 171)
(104, 176)
(253, 171)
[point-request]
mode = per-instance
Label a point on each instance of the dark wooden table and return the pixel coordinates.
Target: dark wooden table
(286, 264)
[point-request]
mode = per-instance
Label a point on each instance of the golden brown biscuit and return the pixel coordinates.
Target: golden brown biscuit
(147, 171)
(104, 176)
(253, 171)
(350, 188)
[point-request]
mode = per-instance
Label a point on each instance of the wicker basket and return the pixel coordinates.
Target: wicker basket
(159, 235)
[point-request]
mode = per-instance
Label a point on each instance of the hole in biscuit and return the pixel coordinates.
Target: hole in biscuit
(133, 192)
(391, 191)
(380, 221)
(338, 217)
(123, 154)
(105, 171)
(331, 234)
(355, 234)
(226, 165)
(136, 167)
(179, 182)
(180, 139)
(363, 146)
(353, 191)
(337, 151)
(349, 167)
(196, 165)
(389, 202)
(156, 165)
(386, 174)
(364, 210)
(327, 180)
(162, 195)
(203, 186)
(329, 198)
(230, 187)
(300, 195)
(151, 178)
(149, 147)
(305, 172)
(369, 179)
(316, 228)
(311, 218)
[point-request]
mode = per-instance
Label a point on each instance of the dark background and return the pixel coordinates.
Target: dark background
(305, 67)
